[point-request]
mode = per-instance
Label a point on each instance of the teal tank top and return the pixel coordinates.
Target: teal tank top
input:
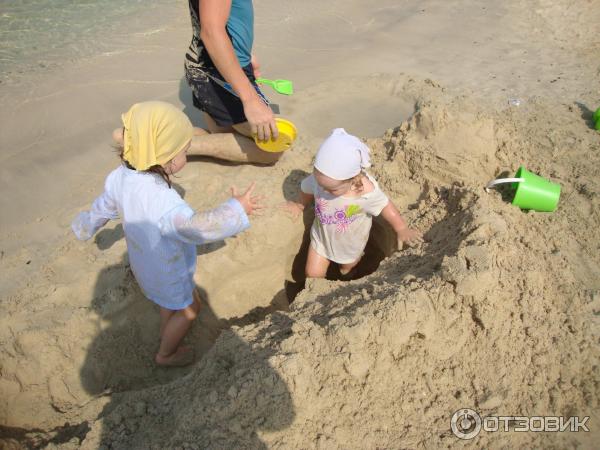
(240, 28)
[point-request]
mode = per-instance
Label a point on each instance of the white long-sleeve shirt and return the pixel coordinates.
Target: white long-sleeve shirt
(161, 231)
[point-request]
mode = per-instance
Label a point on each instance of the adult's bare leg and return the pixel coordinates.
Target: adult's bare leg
(230, 143)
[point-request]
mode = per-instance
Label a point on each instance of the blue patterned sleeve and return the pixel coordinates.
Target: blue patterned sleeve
(184, 224)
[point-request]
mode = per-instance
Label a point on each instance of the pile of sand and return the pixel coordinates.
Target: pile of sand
(497, 311)
(493, 313)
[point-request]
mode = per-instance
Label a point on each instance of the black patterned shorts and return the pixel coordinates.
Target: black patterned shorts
(216, 97)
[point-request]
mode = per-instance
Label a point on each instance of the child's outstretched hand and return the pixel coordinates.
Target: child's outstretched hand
(293, 209)
(408, 236)
(251, 203)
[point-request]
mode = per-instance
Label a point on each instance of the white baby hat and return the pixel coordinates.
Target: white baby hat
(342, 156)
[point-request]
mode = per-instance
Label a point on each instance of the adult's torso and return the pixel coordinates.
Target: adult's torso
(239, 27)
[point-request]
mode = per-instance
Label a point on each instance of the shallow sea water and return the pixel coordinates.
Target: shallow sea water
(38, 34)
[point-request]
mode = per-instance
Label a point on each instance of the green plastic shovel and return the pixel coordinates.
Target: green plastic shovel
(284, 87)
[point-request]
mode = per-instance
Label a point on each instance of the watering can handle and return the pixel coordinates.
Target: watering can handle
(493, 183)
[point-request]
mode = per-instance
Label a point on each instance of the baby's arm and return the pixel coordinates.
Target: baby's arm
(305, 197)
(297, 207)
(405, 235)
(87, 223)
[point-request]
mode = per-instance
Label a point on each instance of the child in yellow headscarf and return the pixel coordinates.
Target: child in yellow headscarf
(161, 230)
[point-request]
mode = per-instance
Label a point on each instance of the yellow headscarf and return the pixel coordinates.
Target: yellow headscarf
(154, 133)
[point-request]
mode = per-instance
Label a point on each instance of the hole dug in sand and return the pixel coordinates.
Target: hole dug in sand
(381, 244)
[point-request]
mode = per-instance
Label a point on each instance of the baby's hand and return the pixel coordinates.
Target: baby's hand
(293, 209)
(251, 203)
(409, 237)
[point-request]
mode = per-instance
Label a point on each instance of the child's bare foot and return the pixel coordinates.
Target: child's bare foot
(183, 356)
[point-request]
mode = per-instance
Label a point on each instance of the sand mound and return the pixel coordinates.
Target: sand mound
(496, 312)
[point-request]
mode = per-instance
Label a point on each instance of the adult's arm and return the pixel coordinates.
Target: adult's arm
(213, 21)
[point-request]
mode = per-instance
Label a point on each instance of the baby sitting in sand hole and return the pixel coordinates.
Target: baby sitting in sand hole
(346, 198)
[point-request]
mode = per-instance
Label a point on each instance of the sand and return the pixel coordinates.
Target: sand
(497, 311)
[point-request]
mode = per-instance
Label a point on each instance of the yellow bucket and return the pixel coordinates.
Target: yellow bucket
(287, 136)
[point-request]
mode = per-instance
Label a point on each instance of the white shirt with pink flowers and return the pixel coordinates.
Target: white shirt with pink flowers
(341, 227)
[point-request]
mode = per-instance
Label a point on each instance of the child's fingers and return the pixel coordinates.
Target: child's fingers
(258, 198)
(250, 189)
(234, 192)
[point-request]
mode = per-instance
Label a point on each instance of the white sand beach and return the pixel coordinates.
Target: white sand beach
(498, 311)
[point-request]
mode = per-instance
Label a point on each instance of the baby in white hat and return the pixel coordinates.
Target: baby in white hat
(346, 198)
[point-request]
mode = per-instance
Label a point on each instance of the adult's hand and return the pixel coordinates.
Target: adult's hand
(261, 119)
